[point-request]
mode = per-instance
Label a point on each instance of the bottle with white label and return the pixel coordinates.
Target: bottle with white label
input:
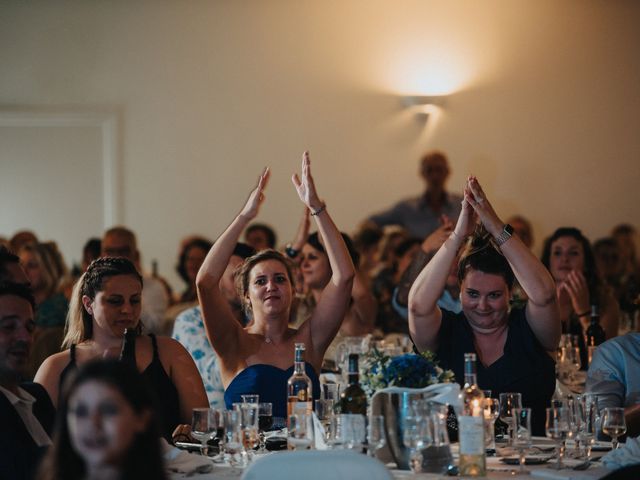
(299, 386)
(473, 461)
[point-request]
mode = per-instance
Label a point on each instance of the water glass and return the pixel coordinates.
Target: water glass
(336, 433)
(250, 398)
(324, 412)
(331, 391)
(376, 438)
(300, 431)
(265, 421)
(557, 427)
(203, 427)
(250, 426)
(508, 402)
(355, 432)
(522, 435)
(613, 424)
(491, 413)
(587, 418)
(235, 454)
(416, 435)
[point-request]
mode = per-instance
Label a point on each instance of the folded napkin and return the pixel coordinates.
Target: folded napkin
(319, 434)
(180, 461)
(627, 454)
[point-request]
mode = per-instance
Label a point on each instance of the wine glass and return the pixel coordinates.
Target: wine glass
(376, 437)
(522, 435)
(491, 413)
(265, 421)
(613, 424)
(508, 402)
(355, 431)
(202, 427)
(300, 431)
(556, 428)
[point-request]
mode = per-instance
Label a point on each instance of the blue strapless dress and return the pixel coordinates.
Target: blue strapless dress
(270, 383)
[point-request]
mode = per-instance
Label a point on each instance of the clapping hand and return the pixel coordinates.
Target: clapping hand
(256, 197)
(575, 284)
(305, 186)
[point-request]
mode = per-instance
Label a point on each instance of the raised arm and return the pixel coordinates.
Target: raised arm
(542, 308)
(361, 317)
(334, 301)
(425, 316)
(223, 331)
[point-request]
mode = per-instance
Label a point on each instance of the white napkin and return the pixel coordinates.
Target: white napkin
(319, 434)
(180, 461)
(627, 454)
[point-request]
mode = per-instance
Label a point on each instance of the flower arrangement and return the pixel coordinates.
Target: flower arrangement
(408, 370)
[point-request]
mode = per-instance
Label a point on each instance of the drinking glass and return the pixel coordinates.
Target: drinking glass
(336, 435)
(508, 402)
(613, 424)
(202, 427)
(217, 418)
(265, 421)
(491, 413)
(233, 447)
(300, 435)
(522, 435)
(331, 391)
(250, 398)
(556, 428)
(376, 438)
(587, 416)
(324, 412)
(414, 438)
(249, 425)
(355, 432)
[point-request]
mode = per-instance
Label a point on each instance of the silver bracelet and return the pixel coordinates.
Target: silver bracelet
(320, 210)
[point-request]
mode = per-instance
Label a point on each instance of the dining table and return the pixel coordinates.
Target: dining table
(496, 468)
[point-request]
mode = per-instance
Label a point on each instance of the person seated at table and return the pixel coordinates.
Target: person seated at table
(511, 344)
(568, 255)
(258, 358)
(192, 253)
(614, 376)
(106, 301)
(26, 412)
(188, 329)
(106, 427)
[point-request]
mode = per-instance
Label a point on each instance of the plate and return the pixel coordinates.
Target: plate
(601, 447)
(528, 460)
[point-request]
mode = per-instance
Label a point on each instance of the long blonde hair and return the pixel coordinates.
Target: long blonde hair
(79, 325)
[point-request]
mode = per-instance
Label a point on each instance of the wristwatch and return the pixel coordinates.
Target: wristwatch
(505, 235)
(290, 251)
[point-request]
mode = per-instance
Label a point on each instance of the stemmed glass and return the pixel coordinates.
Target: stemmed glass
(508, 402)
(522, 435)
(203, 427)
(557, 427)
(376, 438)
(491, 413)
(613, 424)
(265, 422)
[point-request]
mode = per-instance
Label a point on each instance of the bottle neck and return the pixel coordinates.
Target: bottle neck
(470, 379)
(298, 367)
(354, 378)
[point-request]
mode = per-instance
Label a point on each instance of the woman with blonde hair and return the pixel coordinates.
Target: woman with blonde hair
(106, 302)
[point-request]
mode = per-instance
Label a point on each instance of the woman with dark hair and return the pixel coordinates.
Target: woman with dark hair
(192, 254)
(106, 427)
(511, 344)
(107, 301)
(569, 257)
(258, 358)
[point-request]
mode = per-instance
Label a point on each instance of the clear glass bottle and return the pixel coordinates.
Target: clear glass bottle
(299, 387)
(353, 399)
(128, 351)
(471, 423)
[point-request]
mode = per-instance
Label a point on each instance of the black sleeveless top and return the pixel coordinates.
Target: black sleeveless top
(166, 393)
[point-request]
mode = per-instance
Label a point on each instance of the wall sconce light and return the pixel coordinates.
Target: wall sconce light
(424, 105)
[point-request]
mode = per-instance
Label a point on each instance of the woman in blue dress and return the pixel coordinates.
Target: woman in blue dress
(258, 358)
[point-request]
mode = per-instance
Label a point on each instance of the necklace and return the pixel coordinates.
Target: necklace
(267, 340)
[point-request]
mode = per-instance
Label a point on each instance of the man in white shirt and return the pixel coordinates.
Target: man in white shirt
(121, 242)
(26, 411)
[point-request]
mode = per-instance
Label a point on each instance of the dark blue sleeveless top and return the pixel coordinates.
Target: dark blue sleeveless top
(270, 383)
(166, 393)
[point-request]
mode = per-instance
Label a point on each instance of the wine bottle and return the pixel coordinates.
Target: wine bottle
(595, 332)
(473, 461)
(353, 399)
(299, 387)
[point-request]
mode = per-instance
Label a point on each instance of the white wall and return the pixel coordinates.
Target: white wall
(543, 105)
